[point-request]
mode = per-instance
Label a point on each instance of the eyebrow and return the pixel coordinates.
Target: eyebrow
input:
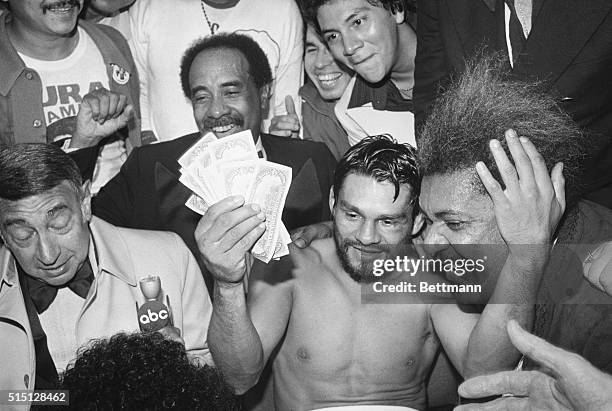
(198, 88)
(56, 209)
(233, 83)
(346, 205)
(349, 17)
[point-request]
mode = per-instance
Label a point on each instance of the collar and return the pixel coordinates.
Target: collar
(8, 266)
(260, 148)
(11, 65)
(114, 260)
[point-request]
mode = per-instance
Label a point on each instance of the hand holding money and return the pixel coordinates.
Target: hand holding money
(225, 234)
(217, 168)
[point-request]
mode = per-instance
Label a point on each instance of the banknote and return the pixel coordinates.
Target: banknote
(282, 243)
(198, 151)
(237, 147)
(238, 176)
(197, 204)
(269, 189)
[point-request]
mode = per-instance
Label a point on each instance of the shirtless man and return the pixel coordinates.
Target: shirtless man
(334, 350)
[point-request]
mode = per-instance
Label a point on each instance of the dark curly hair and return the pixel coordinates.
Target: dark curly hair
(143, 372)
(259, 66)
(310, 8)
(481, 105)
(382, 158)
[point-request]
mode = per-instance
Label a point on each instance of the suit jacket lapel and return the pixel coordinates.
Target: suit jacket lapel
(565, 25)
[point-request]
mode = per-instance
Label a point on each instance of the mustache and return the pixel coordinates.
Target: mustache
(64, 3)
(379, 248)
(210, 122)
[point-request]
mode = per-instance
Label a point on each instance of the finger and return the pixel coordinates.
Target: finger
(215, 210)
(233, 237)
(227, 221)
(247, 242)
(103, 102)
(281, 133)
(522, 162)
(125, 116)
(540, 171)
(290, 105)
(113, 102)
(512, 382)
(493, 187)
(505, 167)
(94, 106)
(558, 182)
(500, 404)
(122, 105)
(544, 353)
(289, 123)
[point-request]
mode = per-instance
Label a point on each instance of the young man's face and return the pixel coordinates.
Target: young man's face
(322, 69)
(48, 233)
(51, 18)
(224, 97)
(368, 222)
(362, 36)
(460, 224)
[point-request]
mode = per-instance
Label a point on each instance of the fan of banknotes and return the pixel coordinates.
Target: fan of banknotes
(217, 168)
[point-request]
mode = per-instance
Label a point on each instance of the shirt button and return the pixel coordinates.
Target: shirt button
(26, 380)
(37, 124)
(29, 75)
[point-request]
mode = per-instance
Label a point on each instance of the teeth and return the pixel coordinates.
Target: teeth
(223, 129)
(329, 77)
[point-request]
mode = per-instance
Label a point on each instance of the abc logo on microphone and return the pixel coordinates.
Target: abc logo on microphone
(153, 316)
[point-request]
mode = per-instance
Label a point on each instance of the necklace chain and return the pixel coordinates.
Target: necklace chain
(212, 26)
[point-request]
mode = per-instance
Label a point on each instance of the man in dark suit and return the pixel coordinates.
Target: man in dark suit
(567, 45)
(227, 77)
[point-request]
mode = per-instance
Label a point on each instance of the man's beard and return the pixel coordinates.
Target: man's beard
(364, 271)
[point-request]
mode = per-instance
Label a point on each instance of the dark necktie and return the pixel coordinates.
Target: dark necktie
(517, 35)
(43, 294)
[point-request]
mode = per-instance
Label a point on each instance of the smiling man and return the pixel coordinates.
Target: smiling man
(227, 77)
(373, 38)
(67, 277)
(331, 349)
(67, 82)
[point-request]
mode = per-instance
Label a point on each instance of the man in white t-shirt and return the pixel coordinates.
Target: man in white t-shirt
(162, 30)
(55, 81)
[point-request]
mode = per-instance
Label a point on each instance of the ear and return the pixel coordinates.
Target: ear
(86, 200)
(418, 223)
(332, 200)
(399, 16)
(264, 99)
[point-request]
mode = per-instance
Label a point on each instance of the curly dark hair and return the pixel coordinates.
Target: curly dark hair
(310, 8)
(480, 105)
(143, 372)
(382, 158)
(259, 66)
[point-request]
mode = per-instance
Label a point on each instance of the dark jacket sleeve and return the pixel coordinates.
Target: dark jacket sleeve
(431, 67)
(327, 166)
(115, 201)
(85, 160)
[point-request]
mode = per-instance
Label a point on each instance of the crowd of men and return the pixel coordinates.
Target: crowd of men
(475, 135)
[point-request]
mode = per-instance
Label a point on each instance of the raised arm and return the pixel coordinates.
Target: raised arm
(241, 337)
(527, 213)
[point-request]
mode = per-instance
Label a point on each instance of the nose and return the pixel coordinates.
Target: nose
(433, 241)
(351, 45)
(323, 58)
(368, 234)
(217, 107)
(48, 250)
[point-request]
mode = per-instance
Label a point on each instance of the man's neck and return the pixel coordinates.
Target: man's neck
(403, 70)
(40, 46)
(221, 4)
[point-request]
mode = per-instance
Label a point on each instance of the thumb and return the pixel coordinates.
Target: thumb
(290, 105)
(126, 115)
(537, 349)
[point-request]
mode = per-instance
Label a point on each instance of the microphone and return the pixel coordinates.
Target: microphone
(153, 315)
